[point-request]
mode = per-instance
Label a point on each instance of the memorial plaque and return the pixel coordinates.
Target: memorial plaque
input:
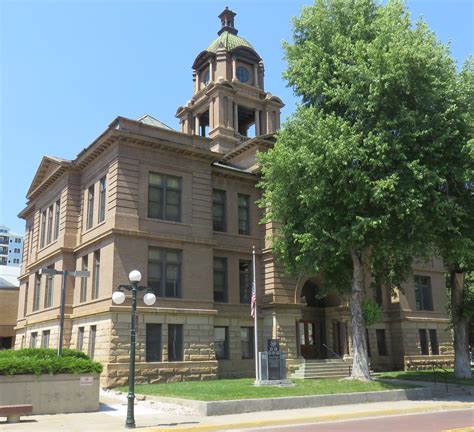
(274, 372)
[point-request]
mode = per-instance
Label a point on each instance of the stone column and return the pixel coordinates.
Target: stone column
(210, 71)
(230, 115)
(234, 69)
(196, 126)
(255, 75)
(236, 117)
(211, 114)
(257, 122)
(195, 82)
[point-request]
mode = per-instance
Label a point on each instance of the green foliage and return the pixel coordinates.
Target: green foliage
(40, 361)
(360, 164)
(371, 311)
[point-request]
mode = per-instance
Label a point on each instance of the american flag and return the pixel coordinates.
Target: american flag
(253, 301)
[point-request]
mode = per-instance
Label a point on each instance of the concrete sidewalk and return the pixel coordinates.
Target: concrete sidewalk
(155, 418)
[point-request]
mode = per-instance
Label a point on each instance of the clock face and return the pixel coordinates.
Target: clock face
(243, 74)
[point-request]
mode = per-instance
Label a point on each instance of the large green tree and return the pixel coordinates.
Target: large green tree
(454, 227)
(356, 172)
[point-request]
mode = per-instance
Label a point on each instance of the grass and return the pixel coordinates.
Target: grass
(231, 389)
(427, 375)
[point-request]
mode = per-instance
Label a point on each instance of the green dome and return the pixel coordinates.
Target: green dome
(229, 41)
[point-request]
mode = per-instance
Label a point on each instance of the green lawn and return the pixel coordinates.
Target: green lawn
(426, 375)
(230, 389)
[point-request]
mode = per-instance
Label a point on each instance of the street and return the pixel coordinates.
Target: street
(452, 421)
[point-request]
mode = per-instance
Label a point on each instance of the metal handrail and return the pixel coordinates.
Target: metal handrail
(338, 356)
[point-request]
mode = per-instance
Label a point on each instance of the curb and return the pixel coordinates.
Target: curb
(316, 419)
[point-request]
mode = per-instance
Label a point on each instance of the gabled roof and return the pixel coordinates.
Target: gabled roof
(152, 121)
(47, 167)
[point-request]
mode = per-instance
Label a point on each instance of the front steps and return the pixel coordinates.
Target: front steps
(326, 368)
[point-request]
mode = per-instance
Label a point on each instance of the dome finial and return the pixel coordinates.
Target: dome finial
(227, 21)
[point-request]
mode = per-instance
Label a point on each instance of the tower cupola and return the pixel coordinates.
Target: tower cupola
(229, 104)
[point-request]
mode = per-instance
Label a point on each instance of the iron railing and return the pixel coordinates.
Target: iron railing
(339, 357)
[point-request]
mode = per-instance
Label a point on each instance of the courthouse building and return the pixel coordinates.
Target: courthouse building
(180, 207)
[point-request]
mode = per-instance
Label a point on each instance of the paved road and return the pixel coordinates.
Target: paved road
(452, 421)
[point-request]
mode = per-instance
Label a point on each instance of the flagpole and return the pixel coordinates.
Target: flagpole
(257, 377)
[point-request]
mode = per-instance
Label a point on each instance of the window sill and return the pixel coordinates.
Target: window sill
(93, 227)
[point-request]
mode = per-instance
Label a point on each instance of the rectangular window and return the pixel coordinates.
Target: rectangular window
(43, 228)
(175, 342)
(102, 191)
(218, 210)
(85, 267)
(164, 197)
(153, 342)
(45, 339)
(244, 214)
(423, 297)
(164, 272)
(96, 279)
(92, 335)
(56, 219)
(423, 342)
(434, 342)
(48, 292)
(245, 281)
(90, 207)
(221, 343)
(368, 341)
(50, 225)
(80, 339)
(33, 339)
(220, 279)
(381, 342)
(247, 342)
(378, 295)
(37, 292)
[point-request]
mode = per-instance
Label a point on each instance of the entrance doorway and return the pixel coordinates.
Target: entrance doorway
(310, 339)
(339, 337)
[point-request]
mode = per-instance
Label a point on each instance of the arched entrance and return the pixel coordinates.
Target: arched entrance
(321, 331)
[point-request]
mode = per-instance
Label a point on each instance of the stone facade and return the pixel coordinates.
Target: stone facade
(172, 205)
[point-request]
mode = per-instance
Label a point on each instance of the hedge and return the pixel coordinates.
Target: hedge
(39, 361)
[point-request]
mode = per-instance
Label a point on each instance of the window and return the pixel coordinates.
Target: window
(80, 339)
(244, 281)
(153, 342)
(243, 74)
(164, 272)
(45, 339)
(378, 295)
(16, 250)
(175, 342)
(56, 219)
(85, 267)
(218, 210)
(33, 339)
(164, 197)
(247, 342)
(90, 207)
(220, 279)
(37, 292)
(381, 342)
(95, 281)
(244, 214)
(102, 190)
(43, 228)
(423, 298)
(17, 240)
(92, 335)
(48, 292)
(434, 342)
(50, 225)
(368, 341)
(423, 342)
(221, 343)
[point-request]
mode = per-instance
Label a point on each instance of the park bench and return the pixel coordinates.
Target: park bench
(13, 412)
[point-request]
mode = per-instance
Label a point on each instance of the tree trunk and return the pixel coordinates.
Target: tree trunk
(462, 367)
(360, 363)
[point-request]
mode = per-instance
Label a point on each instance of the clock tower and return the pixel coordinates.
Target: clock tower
(229, 103)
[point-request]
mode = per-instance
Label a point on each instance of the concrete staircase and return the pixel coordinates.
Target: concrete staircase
(327, 368)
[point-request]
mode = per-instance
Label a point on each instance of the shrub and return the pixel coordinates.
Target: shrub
(40, 361)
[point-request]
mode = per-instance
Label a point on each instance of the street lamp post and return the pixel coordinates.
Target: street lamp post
(63, 273)
(118, 297)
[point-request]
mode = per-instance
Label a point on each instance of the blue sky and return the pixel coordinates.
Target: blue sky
(68, 68)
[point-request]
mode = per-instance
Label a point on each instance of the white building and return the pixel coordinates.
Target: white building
(11, 247)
